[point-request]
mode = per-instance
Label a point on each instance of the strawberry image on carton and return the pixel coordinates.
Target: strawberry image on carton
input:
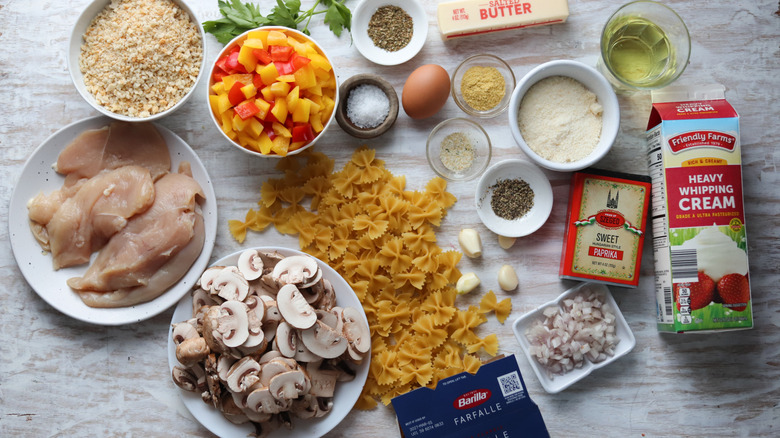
(698, 219)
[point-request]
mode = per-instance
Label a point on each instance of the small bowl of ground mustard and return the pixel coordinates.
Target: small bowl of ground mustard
(458, 149)
(514, 198)
(482, 85)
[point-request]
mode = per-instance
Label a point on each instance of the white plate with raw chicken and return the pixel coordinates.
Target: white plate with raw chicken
(572, 327)
(37, 265)
(346, 392)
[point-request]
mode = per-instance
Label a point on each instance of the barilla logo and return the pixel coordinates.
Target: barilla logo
(610, 219)
(696, 139)
(472, 399)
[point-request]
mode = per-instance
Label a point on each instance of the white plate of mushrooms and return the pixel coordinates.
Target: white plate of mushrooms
(279, 343)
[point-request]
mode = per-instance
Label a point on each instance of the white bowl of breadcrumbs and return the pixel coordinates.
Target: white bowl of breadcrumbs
(136, 60)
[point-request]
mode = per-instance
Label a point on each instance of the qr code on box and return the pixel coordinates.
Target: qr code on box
(510, 384)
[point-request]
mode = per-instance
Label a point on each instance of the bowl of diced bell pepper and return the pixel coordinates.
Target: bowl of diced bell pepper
(272, 92)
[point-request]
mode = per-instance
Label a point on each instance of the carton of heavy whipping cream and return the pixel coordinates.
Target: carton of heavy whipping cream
(461, 18)
(698, 219)
(493, 403)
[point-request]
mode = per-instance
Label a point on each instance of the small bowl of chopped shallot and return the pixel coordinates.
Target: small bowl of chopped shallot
(573, 335)
(458, 149)
(564, 115)
(136, 60)
(369, 106)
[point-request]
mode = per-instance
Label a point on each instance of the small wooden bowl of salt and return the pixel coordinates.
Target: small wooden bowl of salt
(369, 106)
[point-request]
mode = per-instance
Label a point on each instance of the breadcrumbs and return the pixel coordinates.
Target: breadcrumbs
(140, 57)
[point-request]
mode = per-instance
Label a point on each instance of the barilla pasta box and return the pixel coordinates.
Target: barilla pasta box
(493, 403)
(698, 219)
(605, 227)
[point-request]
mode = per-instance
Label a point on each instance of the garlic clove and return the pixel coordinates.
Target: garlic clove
(467, 283)
(507, 278)
(506, 242)
(470, 242)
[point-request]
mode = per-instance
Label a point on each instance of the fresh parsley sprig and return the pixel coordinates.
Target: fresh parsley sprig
(238, 17)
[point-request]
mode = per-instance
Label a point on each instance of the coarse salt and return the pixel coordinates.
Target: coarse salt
(367, 106)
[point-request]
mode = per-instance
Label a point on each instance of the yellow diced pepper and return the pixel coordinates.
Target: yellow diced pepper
(264, 143)
(223, 103)
(219, 87)
(315, 90)
(268, 73)
(254, 127)
(280, 89)
(249, 90)
(253, 43)
(305, 77)
(295, 145)
(238, 123)
(267, 93)
(300, 48)
(280, 109)
(301, 113)
(214, 104)
(316, 123)
(227, 122)
(231, 80)
(246, 58)
(327, 107)
(320, 62)
(292, 98)
(286, 78)
(277, 38)
(263, 106)
(261, 35)
(314, 108)
(280, 145)
(280, 129)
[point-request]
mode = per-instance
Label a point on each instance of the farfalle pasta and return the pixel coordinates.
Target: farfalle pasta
(381, 238)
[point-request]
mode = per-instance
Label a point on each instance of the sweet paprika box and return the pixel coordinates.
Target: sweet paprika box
(605, 227)
(698, 217)
(493, 403)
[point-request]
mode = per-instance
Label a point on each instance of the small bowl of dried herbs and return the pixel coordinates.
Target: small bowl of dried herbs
(482, 85)
(458, 149)
(514, 198)
(389, 32)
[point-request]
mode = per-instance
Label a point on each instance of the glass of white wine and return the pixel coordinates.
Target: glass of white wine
(644, 45)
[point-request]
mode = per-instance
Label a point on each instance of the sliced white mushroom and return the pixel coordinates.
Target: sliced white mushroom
(267, 356)
(233, 323)
(299, 270)
(302, 354)
(183, 331)
(243, 374)
(207, 277)
(231, 411)
(261, 400)
(250, 264)
(200, 299)
(328, 297)
(184, 378)
(323, 381)
(255, 316)
(294, 308)
(289, 385)
(210, 334)
(230, 284)
(224, 363)
(324, 405)
(192, 351)
(324, 341)
(305, 406)
(356, 330)
(286, 340)
(272, 368)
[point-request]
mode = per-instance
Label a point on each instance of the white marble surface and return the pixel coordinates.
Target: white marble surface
(61, 377)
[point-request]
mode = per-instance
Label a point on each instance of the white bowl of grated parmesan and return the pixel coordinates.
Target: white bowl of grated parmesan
(136, 60)
(564, 115)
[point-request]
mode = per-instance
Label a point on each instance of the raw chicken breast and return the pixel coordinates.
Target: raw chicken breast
(117, 145)
(152, 252)
(99, 209)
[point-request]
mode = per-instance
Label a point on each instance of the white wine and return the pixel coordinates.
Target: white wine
(638, 52)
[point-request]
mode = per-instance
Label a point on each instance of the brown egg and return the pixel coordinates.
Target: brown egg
(426, 91)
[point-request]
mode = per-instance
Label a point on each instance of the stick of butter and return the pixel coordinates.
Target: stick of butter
(462, 18)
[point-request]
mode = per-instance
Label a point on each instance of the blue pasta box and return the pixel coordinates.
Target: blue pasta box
(493, 403)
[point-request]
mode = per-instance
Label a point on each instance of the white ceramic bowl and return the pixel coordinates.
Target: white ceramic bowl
(561, 382)
(591, 79)
(299, 35)
(362, 15)
(476, 135)
(74, 52)
(531, 221)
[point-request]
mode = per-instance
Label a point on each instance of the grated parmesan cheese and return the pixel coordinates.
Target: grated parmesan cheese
(560, 119)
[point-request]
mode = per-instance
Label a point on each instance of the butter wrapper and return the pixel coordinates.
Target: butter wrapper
(493, 403)
(462, 18)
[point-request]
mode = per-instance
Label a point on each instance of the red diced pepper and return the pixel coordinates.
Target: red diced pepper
(222, 64)
(299, 61)
(302, 132)
(233, 64)
(268, 128)
(234, 49)
(235, 95)
(284, 67)
(269, 116)
(288, 123)
(247, 110)
(262, 55)
(257, 81)
(280, 53)
(218, 75)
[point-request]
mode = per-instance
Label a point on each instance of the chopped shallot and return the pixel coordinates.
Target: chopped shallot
(583, 330)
